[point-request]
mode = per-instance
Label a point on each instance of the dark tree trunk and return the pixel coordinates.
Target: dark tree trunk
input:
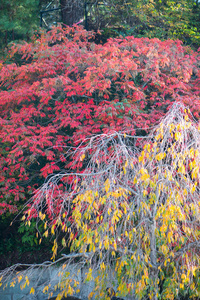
(72, 11)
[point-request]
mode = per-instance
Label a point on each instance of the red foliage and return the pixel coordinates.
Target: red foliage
(61, 88)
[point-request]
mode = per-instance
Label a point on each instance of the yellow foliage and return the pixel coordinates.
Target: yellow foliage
(160, 156)
(12, 284)
(107, 185)
(32, 291)
(19, 278)
(82, 157)
(46, 233)
(150, 203)
(45, 289)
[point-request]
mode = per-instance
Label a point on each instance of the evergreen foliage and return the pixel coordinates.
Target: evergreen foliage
(18, 19)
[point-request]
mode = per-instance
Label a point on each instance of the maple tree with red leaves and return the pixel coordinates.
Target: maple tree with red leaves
(61, 88)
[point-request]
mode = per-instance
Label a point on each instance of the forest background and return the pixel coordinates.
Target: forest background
(34, 133)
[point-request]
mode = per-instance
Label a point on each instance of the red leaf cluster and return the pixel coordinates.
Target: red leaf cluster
(61, 88)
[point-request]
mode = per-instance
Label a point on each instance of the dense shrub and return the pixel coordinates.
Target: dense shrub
(59, 93)
(61, 88)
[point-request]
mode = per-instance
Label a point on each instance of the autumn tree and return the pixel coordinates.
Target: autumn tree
(61, 88)
(132, 215)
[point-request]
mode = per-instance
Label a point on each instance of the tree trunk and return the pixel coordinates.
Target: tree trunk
(72, 11)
